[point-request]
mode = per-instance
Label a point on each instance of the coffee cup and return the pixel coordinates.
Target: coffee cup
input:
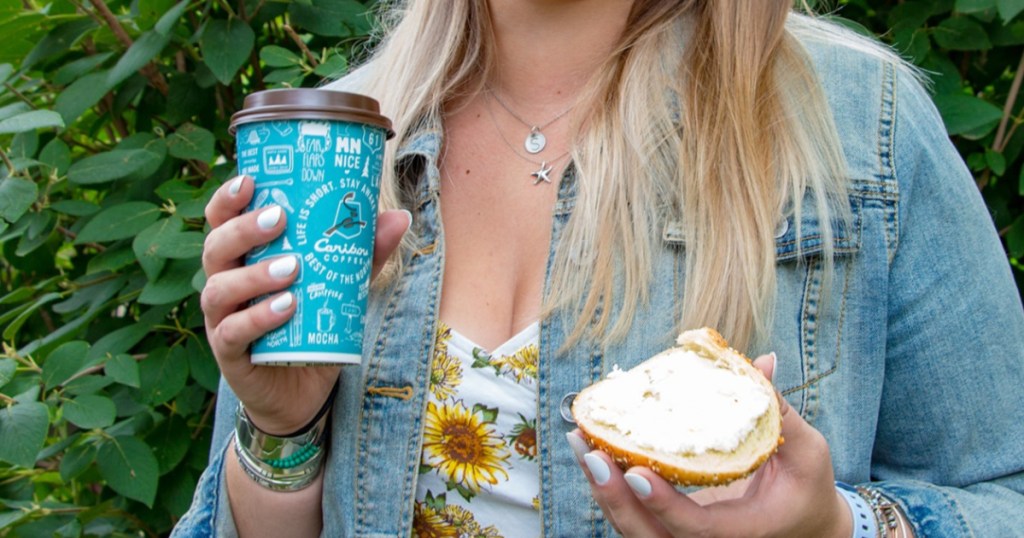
(316, 154)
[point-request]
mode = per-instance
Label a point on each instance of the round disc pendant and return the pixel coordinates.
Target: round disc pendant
(535, 142)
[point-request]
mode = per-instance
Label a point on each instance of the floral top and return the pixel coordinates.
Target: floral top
(479, 474)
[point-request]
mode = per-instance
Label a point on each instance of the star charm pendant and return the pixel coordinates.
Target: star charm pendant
(542, 173)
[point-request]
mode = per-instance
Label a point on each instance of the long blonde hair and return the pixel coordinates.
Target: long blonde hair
(708, 113)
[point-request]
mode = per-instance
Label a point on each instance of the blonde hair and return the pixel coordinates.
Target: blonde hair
(708, 113)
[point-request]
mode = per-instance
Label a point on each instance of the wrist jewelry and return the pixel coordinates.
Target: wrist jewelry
(890, 516)
(287, 463)
(865, 522)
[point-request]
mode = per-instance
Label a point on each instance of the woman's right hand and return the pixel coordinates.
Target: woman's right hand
(278, 400)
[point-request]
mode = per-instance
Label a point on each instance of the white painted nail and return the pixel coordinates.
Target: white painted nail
(638, 484)
(408, 214)
(775, 365)
(282, 267)
(598, 468)
(236, 185)
(282, 302)
(269, 218)
(578, 445)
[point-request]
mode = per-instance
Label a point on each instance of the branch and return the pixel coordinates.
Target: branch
(1011, 100)
(301, 44)
(1001, 137)
(149, 71)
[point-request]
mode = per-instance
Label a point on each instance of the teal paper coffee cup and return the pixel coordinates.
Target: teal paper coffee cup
(317, 154)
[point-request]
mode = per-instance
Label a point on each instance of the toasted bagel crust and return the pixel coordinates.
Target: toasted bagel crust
(706, 469)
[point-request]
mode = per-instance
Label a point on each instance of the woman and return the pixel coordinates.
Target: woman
(718, 163)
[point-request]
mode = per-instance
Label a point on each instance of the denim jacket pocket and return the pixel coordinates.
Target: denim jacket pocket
(811, 304)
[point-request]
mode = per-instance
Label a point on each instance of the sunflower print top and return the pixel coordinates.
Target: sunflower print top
(479, 475)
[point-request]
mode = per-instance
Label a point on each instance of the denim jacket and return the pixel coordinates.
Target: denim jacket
(911, 363)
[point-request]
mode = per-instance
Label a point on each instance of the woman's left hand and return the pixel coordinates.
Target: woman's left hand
(792, 494)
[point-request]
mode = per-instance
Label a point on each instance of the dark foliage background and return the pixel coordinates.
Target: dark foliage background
(113, 135)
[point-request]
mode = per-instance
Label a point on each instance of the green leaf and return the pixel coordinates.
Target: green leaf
(967, 115)
(333, 18)
(174, 284)
(57, 156)
(27, 121)
(191, 142)
(142, 51)
(90, 411)
(123, 369)
(488, 415)
(181, 245)
(64, 362)
(23, 429)
(80, 96)
(961, 33)
(275, 56)
(226, 45)
(170, 18)
(12, 329)
(13, 109)
(7, 369)
(129, 467)
(76, 460)
(201, 363)
(333, 67)
(292, 75)
(176, 490)
(170, 441)
(58, 41)
(162, 375)
(1008, 9)
(75, 208)
(119, 222)
(87, 384)
(974, 6)
(70, 71)
(144, 244)
(111, 165)
(995, 161)
(16, 197)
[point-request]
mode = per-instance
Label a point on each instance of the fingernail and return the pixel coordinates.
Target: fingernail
(268, 219)
(281, 303)
(775, 365)
(578, 445)
(408, 214)
(236, 185)
(638, 484)
(282, 267)
(598, 468)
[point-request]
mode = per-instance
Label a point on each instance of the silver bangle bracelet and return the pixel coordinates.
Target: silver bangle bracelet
(281, 463)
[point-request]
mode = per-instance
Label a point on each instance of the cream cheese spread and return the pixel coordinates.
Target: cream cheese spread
(681, 404)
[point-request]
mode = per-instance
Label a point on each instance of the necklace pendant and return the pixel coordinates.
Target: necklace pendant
(542, 173)
(535, 141)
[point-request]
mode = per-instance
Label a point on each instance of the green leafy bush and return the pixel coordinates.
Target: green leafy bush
(113, 130)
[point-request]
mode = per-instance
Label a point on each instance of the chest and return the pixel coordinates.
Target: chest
(497, 220)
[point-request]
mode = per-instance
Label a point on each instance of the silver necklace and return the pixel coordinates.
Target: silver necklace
(535, 141)
(542, 173)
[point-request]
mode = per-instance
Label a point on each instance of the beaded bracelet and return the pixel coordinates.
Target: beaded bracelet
(889, 514)
(282, 463)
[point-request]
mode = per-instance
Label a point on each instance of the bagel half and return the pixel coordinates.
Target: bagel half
(697, 414)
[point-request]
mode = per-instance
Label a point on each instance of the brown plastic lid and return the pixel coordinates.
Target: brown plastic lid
(310, 104)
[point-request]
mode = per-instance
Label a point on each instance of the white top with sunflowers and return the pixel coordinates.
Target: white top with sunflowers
(479, 475)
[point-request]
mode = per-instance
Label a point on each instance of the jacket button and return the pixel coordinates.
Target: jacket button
(565, 408)
(781, 229)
